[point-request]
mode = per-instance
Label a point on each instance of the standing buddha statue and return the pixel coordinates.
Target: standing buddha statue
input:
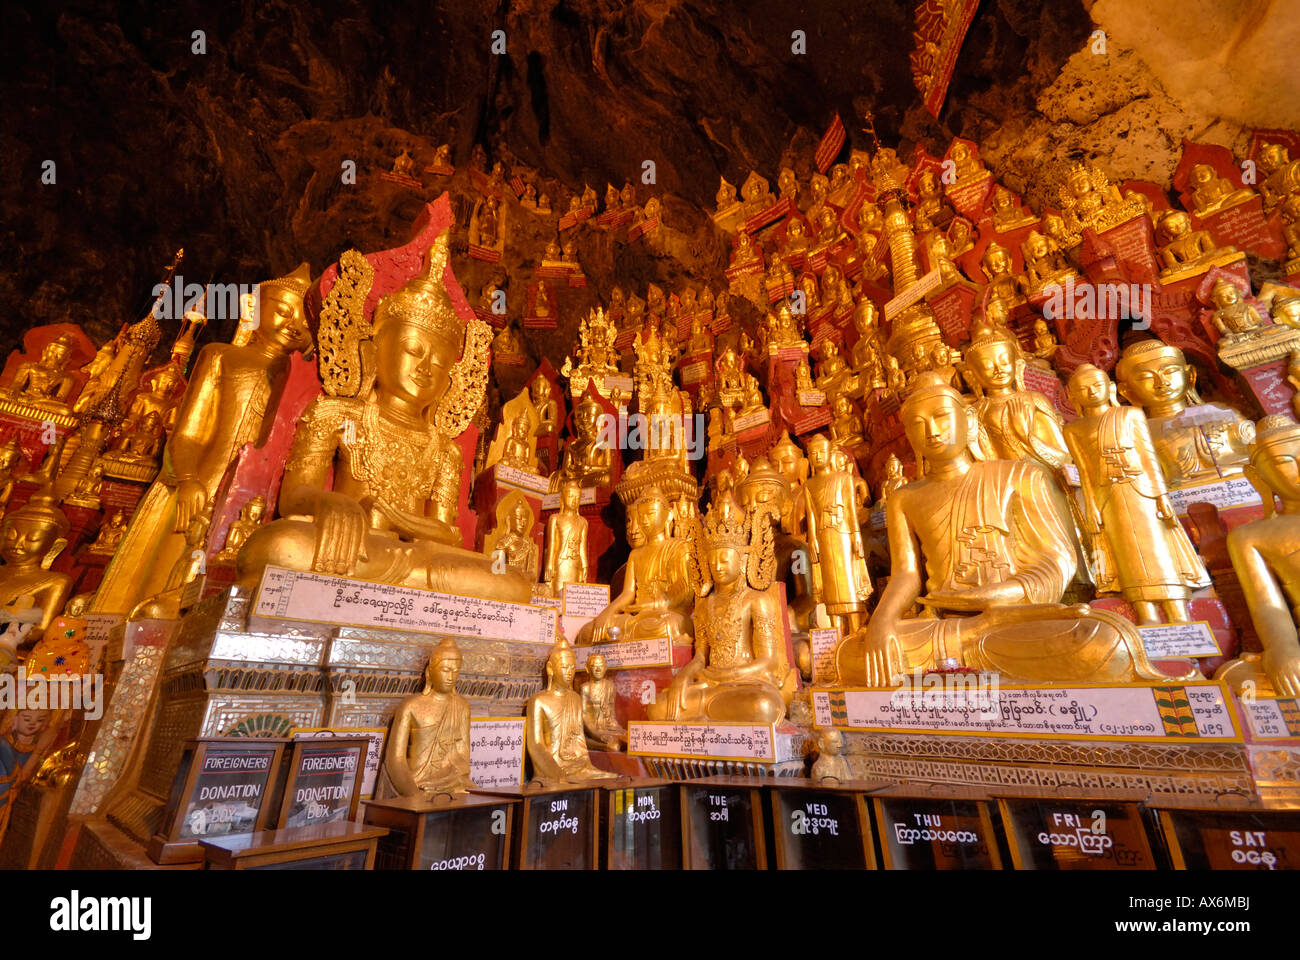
(834, 537)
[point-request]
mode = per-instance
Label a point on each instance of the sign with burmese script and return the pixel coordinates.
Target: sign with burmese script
(1051, 834)
(648, 652)
(324, 781)
(936, 833)
(710, 741)
(496, 751)
(320, 598)
(1272, 718)
(1184, 711)
(823, 643)
(1230, 492)
(1174, 641)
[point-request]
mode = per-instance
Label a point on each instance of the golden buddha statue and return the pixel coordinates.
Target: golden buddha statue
(1017, 423)
(404, 164)
(701, 340)
(566, 542)
(232, 390)
(31, 537)
(546, 411)
(1145, 549)
(739, 672)
(1194, 441)
(729, 375)
(932, 209)
(895, 379)
(894, 480)
(779, 273)
(1293, 378)
(604, 732)
(1266, 555)
(249, 519)
(785, 330)
(1090, 201)
(866, 320)
(1045, 345)
(511, 543)
(142, 442)
(1212, 193)
(988, 548)
(796, 239)
(787, 186)
(507, 343)
(831, 763)
(966, 166)
(996, 265)
(656, 597)
(830, 510)
(390, 514)
(1007, 215)
(1185, 252)
(833, 374)
(517, 449)
(45, 384)
(86, 492)
(846, 425)
(428, 746)
(792, 465)
(553, 731)
(1281, 174)
(939, 255)
(1045, 265)
(1233, 317)
(726, 196)
(803, 381)
(11, 455)
(110, 534)
(588, 458)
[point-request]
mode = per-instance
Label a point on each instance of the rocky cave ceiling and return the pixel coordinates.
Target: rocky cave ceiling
(235, 154)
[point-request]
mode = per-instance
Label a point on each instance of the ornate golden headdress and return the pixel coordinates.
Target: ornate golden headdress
(424, 302)
(295, 283)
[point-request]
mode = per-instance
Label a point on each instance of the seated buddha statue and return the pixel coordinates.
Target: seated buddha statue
(1182, 248)
(390, 514)
(1007, 215)
(846, 425)
(249, 519)
(517, 451)
(739, 672)
(833, 374)
(507, 343)
(996, 265)
(110, 534)
(1018, 423)
(31, 537)
(932, 210)
(726, 196)
(428, 747)
(45, 383)
(553, 728)
(1045, 345)
(1266, 555)
(987, 547)
(588, 458)
(511, 544)
(656, 597)
(599, 719)
(1233, 317)
(1044, 263)
(1089, 200)
(803, 380)
(1212, 193)
(1194, 441)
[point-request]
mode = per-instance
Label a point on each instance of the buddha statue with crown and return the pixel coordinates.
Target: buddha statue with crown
(1266, 555)
(987, 548)
(656, 597)
(397, 394)
(231, 400)
(739, 672)
(1194, 441)
(428, 746)
(554, 733)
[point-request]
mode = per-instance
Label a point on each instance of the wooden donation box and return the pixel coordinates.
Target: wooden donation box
(1230, 833)
(1083, 830)
(222, 787)
(722, 824)
(341, 845)
(557, 827)
(324, 781)
(822, 826)
(933, 827)
(642, 825)
(441, 833)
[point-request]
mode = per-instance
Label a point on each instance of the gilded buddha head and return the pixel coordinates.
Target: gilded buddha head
(561, 665)
(1156, 376)
(1275, 458)
(443, 670)
(34, 534)
(1090, 389)
(993, 359)
(418, 334)
(936, 419)
(282, 319)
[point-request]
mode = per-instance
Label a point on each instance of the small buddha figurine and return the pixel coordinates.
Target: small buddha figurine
(739, 672)
(1233, 316)
(1293, 378)
(787, 186)
(726, 195)
(802, 377)
(1182, 248)
(656, 597)
(746, 254)
(11, 454)
(45, 383)
(939, 252)
(507, 343)
(86, 492)
(1126, 501)
(511, 543)
(529, 198)
(547, 410)
(552, 254)
(544, 203)
(1007, 215)
(110, 534)
(932, 210)
(1044, 263)
(786, 331)
(542, 304)
(404, 164)
(1212, 193)
(990, 543)
(833, 374)
(846, 425)
(143, 442)
(604, 732)
(830, 763)
(996, 265)
(1045, 345)
(835, 538)
(442, 156)
(428, 745)
(517, 451)
(249, 519)
(588, 197)
(553, 729)
(894, 480)
(701, 340)
(1281, 174)
(566, 542)
(895, 379)
(379, 501)
(779, 273)
(487, 223)
(729, 374)
(1266, 556)
(161, 398)
(1018, 423)
(31, 537)
(613, 200)
(587, 458)
(967, 168)
(1088, 199)
(189, 566)
(1194, 441)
